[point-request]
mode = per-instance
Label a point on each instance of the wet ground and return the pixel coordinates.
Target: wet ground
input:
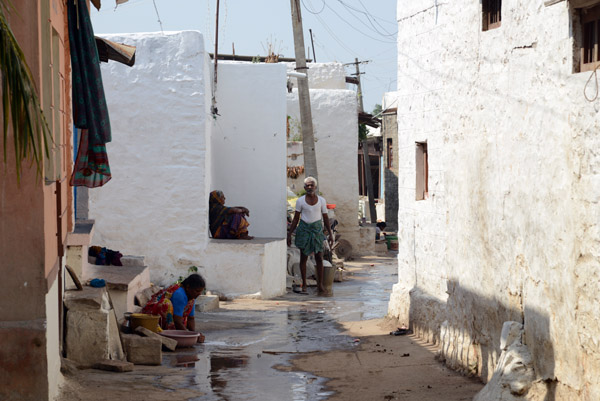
(250, 343)
(247, 339)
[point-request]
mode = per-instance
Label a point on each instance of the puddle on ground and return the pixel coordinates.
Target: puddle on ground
(185, 360)
(237, 361)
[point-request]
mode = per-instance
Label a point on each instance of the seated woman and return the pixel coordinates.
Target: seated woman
(175, 305)
(227, 222)
(379, 227)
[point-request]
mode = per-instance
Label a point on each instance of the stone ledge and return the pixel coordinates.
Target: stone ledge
(88, 298)
(82, 233)
(116, 277)
(239, 242)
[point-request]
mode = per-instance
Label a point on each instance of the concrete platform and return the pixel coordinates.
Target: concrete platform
(255, 268)
(122, 282)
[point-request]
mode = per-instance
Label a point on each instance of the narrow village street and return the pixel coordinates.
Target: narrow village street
(294, 347)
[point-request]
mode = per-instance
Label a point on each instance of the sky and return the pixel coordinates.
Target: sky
(342, 31)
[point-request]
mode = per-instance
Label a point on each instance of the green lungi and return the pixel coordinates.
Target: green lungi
(310, 237)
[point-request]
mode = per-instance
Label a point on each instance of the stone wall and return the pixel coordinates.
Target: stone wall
(509, 231)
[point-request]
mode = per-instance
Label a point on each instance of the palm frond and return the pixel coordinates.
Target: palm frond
(20, 103)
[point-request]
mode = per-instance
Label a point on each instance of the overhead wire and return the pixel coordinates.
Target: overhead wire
(314, 12)
(354, 27)
(328, 29)
(158, 16)
(369, 16)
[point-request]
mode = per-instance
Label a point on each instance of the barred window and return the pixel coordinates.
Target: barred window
(590, 23)
(492, 14)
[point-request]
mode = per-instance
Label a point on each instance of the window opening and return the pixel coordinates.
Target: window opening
(492, 14)
(590, 22)
(390, 153)
(422, 171)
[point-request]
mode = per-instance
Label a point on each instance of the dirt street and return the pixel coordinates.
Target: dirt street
(295, 347)
(385, 367)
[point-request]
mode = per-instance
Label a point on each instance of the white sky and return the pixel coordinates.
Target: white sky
(342, 30)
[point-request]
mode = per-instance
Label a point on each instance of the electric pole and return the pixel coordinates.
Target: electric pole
(366, 159)
(214, 96)
(308, 139)
(312, 43)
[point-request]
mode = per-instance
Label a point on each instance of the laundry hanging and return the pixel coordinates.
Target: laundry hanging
(90, 112)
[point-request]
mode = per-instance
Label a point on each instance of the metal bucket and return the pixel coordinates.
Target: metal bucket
(328, 275)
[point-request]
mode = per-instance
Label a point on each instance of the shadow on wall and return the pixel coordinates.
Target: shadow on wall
(468, 328)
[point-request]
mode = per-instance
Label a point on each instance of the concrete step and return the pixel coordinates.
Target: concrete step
(207, 303)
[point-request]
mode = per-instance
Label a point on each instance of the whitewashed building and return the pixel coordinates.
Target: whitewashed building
(334, 110)
(499, 186)
(169, 151)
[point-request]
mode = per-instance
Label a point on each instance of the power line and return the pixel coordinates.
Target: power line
(357, 30)
(158, 16)
(314, 12)
(334, 36)
(369, 17)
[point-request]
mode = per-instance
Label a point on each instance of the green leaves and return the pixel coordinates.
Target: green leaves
(362, 132)
(20, 103)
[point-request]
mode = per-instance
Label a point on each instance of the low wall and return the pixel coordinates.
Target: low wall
(254, 267)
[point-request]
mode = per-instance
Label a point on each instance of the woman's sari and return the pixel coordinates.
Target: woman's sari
(223, 223)
(160, 305)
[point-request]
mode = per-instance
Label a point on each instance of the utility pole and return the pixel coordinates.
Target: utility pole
(366, 159)
(312, 43)
(214, 97)
(308, 139)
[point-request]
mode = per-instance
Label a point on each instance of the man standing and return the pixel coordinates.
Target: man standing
(311, 210)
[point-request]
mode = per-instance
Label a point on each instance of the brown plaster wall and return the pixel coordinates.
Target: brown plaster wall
(23, 353)
(28, 220)
(22, 205)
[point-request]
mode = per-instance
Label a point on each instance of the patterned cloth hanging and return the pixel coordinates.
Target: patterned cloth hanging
(90, 112)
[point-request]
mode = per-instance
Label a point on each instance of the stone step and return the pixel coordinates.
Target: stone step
(122, 282)
(207, 303)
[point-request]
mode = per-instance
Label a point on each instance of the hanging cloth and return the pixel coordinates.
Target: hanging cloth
(90, 112)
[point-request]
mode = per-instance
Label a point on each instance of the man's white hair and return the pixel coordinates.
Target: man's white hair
(310, 179)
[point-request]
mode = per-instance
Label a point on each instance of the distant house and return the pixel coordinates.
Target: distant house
(391, 163)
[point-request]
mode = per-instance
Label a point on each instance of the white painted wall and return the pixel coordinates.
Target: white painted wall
(53, 357)
(168, 153)
(256, 268)
(510, 230)
(249, 143)
(156, 204)
(335, 124)
(321, 75)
